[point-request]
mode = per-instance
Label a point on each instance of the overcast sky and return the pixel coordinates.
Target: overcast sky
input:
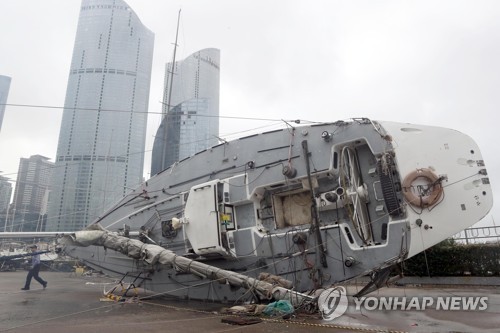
(424, 62)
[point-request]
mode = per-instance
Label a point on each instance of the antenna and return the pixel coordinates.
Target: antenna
(169, 97)
(173, 64)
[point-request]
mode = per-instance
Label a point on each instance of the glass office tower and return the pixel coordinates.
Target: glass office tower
(29, 206)
(100, 153)
(191, 124)
(4, 93)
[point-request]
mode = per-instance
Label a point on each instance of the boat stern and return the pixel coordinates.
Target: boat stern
(444, 181)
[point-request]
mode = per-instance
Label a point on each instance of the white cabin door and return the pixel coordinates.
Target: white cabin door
(204, 226)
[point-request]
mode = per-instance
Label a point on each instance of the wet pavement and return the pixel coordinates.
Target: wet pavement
(74, 303)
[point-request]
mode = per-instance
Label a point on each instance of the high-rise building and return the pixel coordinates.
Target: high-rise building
(100, 154)
(31, 193)
(4, 92)
(5, 194)
(191, 124)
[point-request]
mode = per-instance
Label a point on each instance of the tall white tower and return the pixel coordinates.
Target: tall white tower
(4, 92)
(100, 154)
(191, 124)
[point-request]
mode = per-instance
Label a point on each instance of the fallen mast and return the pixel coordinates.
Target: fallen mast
(155, 254)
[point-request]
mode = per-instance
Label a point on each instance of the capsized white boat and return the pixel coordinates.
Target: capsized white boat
(313, 205)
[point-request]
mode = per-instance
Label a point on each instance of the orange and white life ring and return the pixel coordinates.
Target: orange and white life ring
(431, 184)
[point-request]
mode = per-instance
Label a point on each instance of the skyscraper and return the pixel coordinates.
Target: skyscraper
(4, 92)
(191, 124)
(5, 194)
(100, 153)
(31, 192)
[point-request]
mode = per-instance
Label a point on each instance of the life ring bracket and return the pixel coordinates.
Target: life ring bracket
(422, 195)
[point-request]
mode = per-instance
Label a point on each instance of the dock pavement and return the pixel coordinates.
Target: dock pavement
(75, 303)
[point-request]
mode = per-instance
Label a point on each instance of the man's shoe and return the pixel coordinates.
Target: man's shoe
(45, 285)
(25, 288)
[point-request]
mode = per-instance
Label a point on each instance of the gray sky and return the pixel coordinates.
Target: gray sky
(424, 62)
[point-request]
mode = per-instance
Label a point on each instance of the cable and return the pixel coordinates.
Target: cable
(146, 112)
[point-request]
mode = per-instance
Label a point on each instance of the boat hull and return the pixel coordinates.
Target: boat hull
(316, 205)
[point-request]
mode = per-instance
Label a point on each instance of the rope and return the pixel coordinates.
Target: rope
(282, 321)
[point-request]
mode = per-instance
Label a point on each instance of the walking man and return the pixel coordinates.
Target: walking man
(33, 272)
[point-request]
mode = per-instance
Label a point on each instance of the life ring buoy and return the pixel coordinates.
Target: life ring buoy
(415, 196)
